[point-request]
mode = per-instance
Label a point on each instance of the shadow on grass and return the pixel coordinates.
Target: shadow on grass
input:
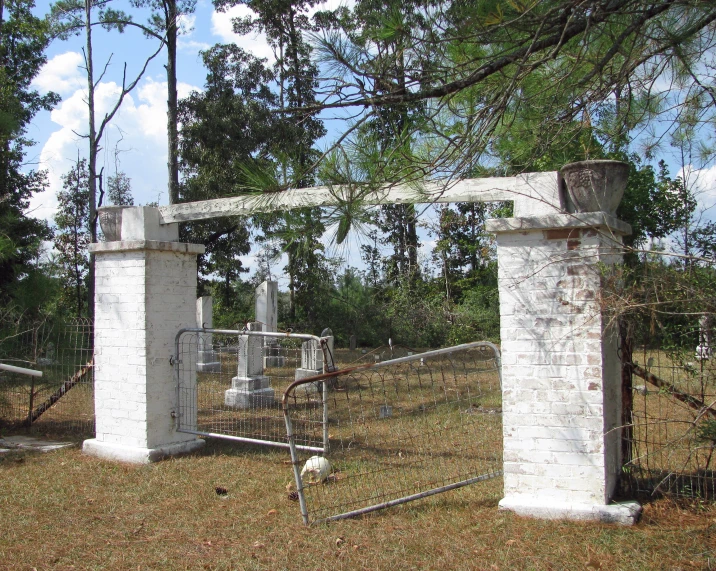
(219, 447)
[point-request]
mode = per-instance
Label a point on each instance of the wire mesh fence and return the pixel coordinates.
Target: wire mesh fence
(230, 382)
(673, 422)
(62, 399)
(398, 430)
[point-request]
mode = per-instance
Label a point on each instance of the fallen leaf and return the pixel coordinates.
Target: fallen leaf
(259, 545)
(208, 543)
(340, 541)
(510, 541)
(272, 512)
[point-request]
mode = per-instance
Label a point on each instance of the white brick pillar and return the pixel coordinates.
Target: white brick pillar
(145, 292)
(560, 371)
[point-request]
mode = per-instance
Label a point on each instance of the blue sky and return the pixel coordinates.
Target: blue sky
(135, 141)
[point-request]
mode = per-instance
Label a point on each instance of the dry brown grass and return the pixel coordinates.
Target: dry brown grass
(64, 510)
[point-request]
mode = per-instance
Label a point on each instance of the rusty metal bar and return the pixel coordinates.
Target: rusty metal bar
(410, 498)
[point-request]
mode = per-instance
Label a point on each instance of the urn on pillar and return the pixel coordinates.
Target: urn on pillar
(595, 186)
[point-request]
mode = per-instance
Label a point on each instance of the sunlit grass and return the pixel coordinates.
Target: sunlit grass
(64, 510)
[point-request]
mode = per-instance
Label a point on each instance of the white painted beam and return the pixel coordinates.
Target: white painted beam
(533, 194)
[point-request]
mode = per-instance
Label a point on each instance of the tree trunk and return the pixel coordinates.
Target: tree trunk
(172, 111)
(92, 166)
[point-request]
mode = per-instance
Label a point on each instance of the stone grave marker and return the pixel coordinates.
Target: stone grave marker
(250, 388)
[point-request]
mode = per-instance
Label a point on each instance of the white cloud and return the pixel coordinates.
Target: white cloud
(330, 5)
(185, 23)
(705, 183)
(191, 45)
(140, 124)
(221, 26)
(61, 74)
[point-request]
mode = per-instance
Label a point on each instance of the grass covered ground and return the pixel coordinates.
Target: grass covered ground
(64, 510)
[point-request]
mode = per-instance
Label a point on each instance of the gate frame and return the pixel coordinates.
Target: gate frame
(322, 343)
(324, 378)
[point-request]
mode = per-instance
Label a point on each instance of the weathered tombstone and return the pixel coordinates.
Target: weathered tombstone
(312, 361)
(267, 305)
(330, 365)
(353, 343)
(207, 361)
(267, 316)
(250, 388)
(49, 358)
(704, 350)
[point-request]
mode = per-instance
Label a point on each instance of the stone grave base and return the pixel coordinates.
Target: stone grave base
(250, 392)
(310, 387)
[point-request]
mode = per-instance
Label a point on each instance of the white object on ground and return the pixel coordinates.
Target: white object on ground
(316, 470)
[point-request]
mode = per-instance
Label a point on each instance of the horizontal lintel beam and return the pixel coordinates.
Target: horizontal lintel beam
(532, 193)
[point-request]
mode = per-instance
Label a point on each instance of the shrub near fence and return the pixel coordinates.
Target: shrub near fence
(62, 400)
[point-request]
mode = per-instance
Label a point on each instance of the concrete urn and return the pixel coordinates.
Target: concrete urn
(110, 221)
(595, 186)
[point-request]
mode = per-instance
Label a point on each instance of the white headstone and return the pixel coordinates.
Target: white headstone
(207, 361)
(704, 350)
(267, 305)
(250, 388)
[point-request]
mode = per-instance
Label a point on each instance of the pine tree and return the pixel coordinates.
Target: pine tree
(23, 39)
(73, 237)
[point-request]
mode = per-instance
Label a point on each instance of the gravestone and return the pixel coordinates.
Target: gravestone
(312, 361)
(353, 343)
(207, 361)
(250, 388)
(704, 350)
(267, 316)
(267, 305)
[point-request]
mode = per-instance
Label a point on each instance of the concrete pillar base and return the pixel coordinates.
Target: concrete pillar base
(137, 455)
(622, 513)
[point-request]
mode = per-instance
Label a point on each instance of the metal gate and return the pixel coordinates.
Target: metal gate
(398, 430)
(230, 382)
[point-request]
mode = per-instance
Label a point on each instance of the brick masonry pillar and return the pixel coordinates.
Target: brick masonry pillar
(145, 292)
(560, 369)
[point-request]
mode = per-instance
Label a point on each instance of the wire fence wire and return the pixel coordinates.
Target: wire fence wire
(672, 435)
(398, 430)
(62, 399)
(230, 383)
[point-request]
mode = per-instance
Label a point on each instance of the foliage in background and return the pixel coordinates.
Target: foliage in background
(23, 39)
(73, 237)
